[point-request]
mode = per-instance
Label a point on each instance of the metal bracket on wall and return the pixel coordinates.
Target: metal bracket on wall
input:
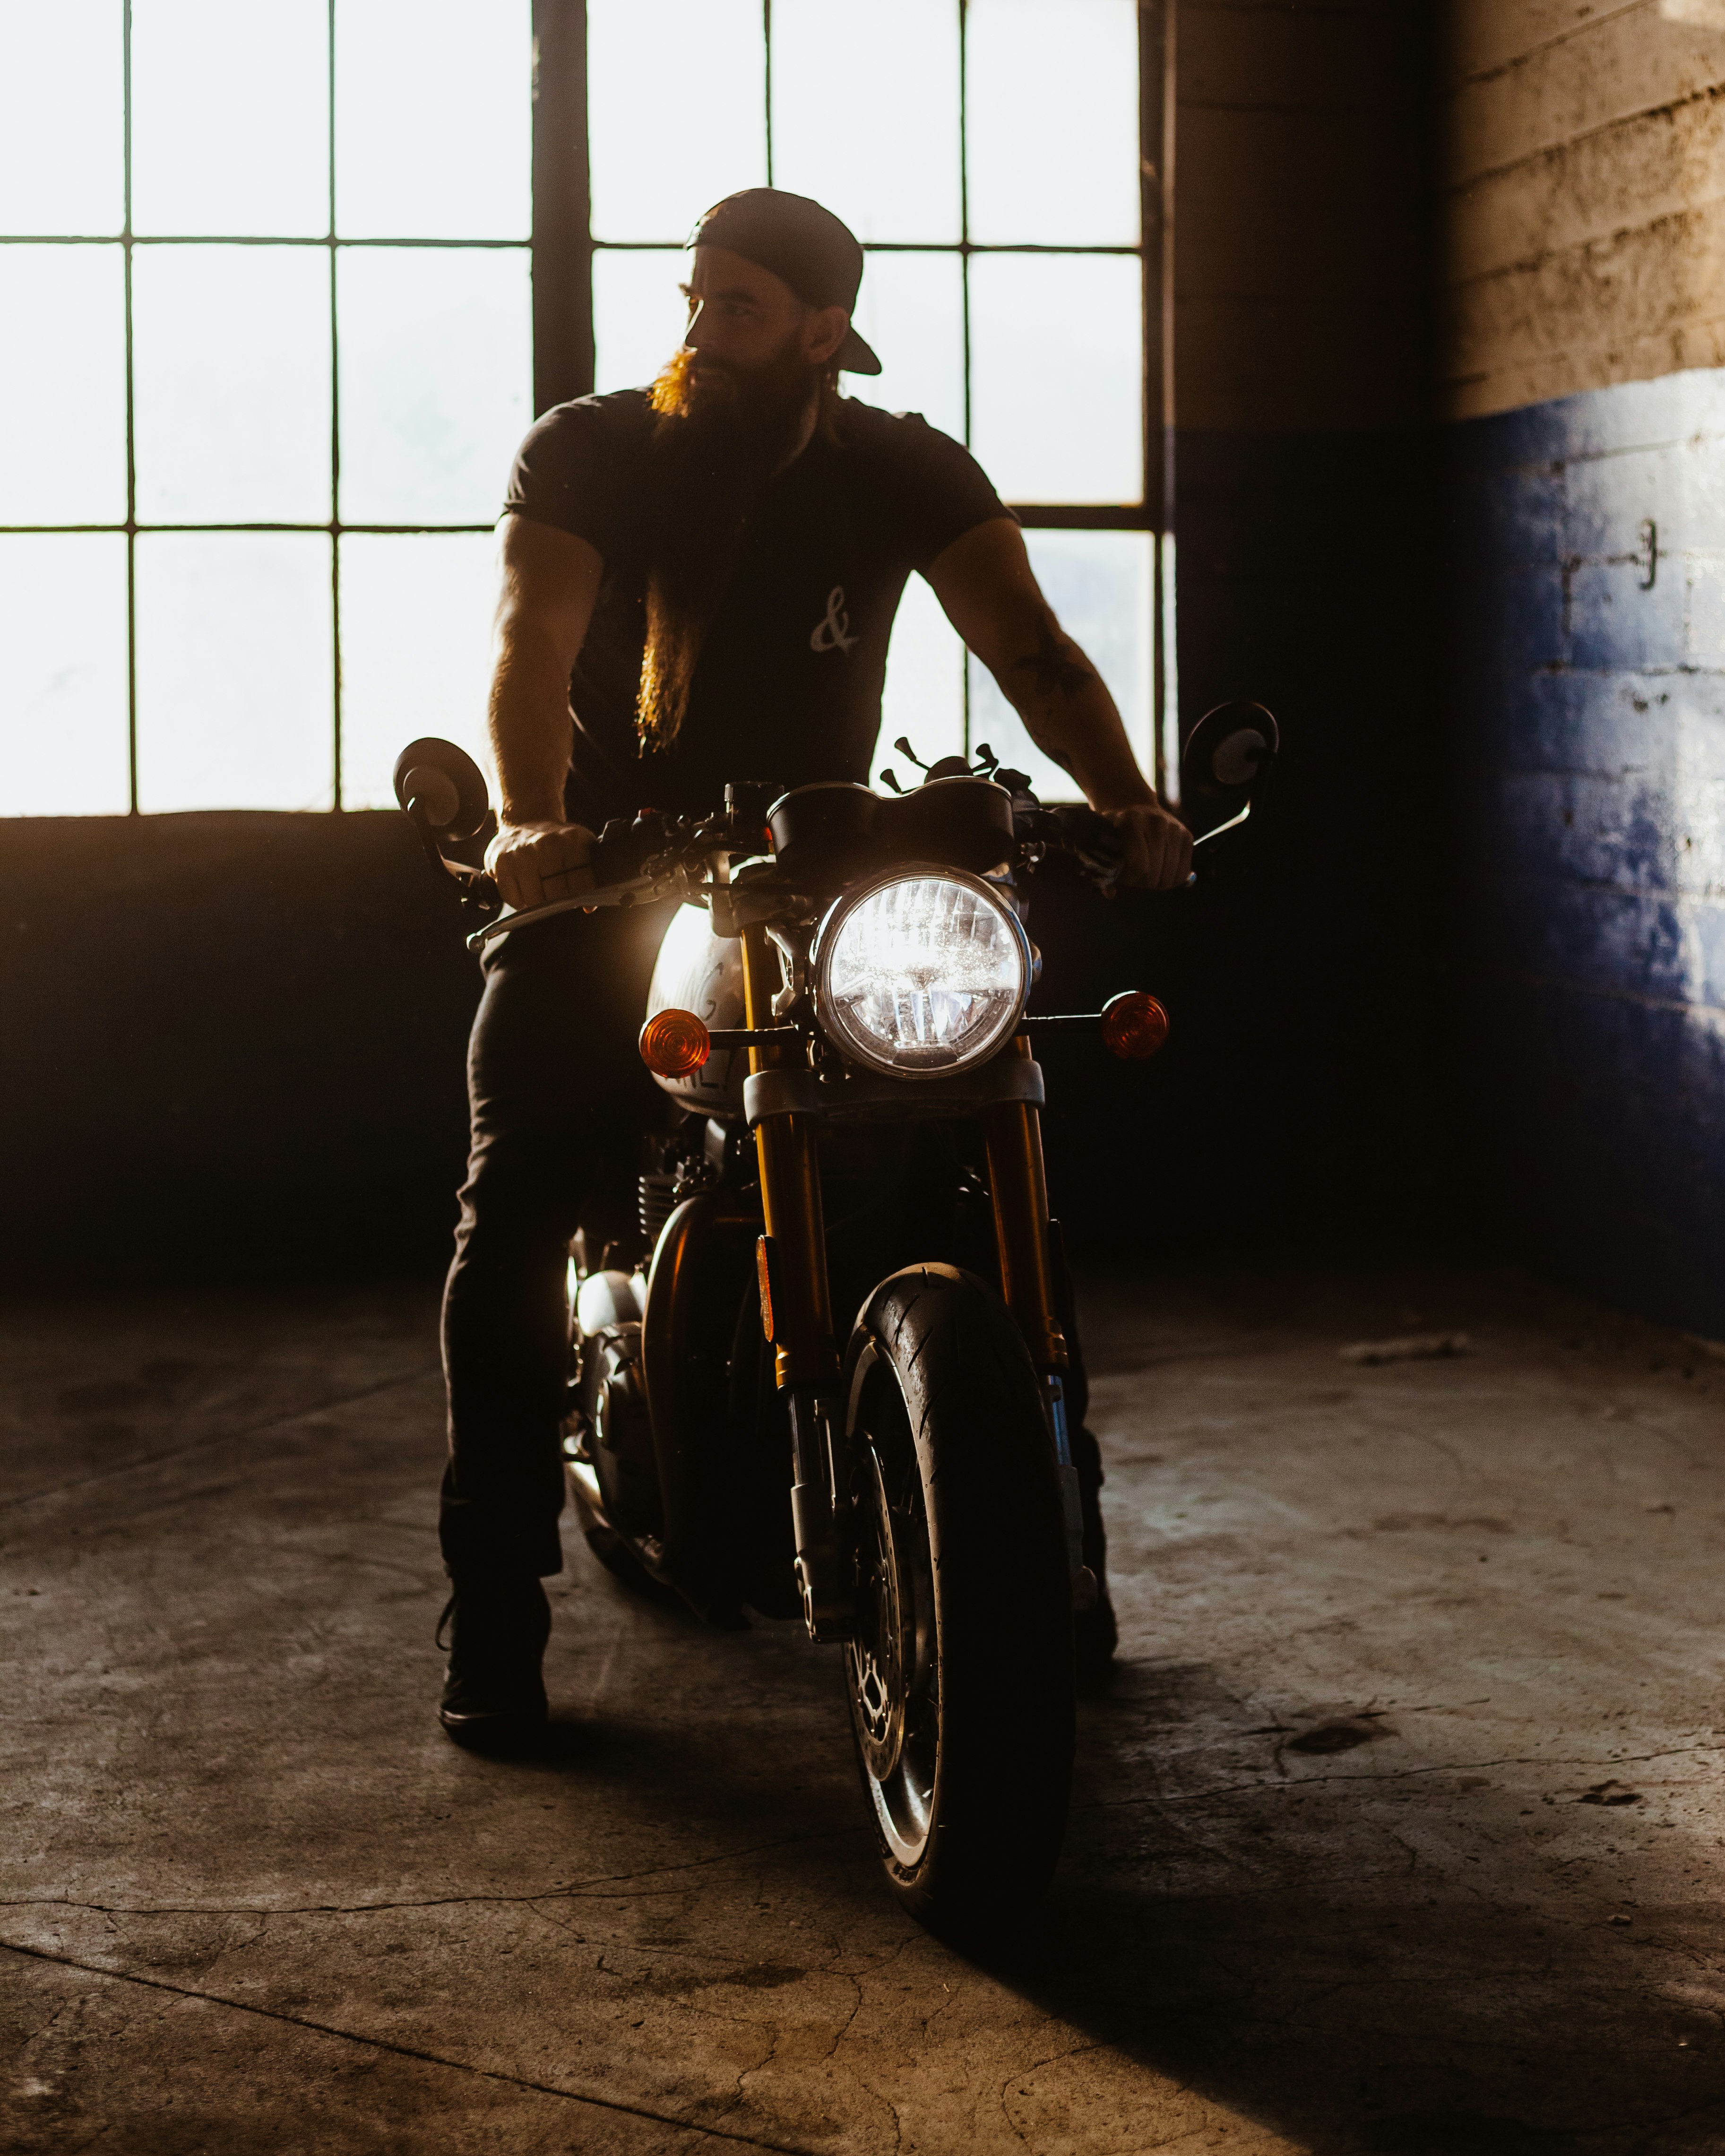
(1646, 554)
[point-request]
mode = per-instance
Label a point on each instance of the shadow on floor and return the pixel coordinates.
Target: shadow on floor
(1284, 1948)
(1296, 1948)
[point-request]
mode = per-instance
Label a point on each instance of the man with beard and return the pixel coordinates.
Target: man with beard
(704, 575)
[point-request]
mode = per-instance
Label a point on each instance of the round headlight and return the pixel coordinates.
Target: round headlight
(920, 973)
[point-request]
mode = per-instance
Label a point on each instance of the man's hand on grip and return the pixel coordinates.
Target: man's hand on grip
(537, 863)
(1158, 846)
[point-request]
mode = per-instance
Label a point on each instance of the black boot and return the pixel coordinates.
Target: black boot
(494, 1693)
(1093, 1632)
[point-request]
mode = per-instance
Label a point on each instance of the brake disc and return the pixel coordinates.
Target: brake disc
(881, 1655)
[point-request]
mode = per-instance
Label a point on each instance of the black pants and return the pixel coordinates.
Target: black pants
(559, 1098)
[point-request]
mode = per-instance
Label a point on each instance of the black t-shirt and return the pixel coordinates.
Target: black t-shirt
(788, 688)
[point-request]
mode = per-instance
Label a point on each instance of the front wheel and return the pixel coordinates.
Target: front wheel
(961, 1674)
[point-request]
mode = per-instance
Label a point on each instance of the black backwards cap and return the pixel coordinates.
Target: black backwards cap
(798, 241)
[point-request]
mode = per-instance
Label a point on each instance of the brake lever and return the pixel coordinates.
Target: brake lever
(1233, 823)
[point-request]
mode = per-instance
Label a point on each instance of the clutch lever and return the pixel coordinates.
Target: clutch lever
(479, 894)
(637, 890)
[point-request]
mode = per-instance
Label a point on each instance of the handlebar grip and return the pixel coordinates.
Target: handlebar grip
(1088, 836)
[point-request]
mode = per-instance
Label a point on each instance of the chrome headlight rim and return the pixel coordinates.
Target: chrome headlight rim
(820, 956)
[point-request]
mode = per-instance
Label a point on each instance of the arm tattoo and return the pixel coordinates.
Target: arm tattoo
(1055, 668)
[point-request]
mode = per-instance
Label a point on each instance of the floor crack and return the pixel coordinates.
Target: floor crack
(574, 1890)
(406, 2050)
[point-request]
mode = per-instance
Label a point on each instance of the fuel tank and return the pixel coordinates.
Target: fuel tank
(826, 834)
(697, 971)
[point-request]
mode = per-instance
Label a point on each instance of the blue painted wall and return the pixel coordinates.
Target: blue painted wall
(1592, 559)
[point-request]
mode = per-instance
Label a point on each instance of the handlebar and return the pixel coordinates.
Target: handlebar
(660, 857)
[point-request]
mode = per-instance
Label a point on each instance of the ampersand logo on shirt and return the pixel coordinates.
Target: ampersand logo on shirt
(833, 632)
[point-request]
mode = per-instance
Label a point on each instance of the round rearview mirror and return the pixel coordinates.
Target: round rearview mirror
(1228, 752)
(441, 787)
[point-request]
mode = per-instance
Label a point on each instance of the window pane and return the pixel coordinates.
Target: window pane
(1057, 375)
(638, 314)
(437, 370)
(62, 125)
(925, 685)
(1052, 122)
(865, 112)
(66, 463)
(1098, 583)
(231, 361)
(433, 114)
(63, 745)
(235, 672)
(676, 111)
(230, 117)
(416, 651)
(911, 308)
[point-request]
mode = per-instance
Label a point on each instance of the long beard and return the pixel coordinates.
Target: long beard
(719, 437)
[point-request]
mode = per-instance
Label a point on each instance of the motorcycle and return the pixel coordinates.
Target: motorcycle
(838, 1017)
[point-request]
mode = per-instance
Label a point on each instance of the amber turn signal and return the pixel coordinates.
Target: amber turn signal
(674, 1043)
(1134, 1025)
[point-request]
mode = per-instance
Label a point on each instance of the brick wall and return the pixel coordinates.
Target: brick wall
(1305, 253)
(1585, 256)
(1586, 171)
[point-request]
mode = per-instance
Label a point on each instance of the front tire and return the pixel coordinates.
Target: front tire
(960, 1678)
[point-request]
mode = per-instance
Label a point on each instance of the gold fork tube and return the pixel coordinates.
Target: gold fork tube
(1018, 1185)
(804, 1350)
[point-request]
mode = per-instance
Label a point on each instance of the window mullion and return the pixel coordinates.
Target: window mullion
(562, 242)
(964, 203)
(132, 462)
(335, 449)
(964, 272)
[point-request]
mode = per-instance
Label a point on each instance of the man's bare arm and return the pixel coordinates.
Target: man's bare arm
(551, 581)
(985, 583)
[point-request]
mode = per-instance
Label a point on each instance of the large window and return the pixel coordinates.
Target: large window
(266, 353)
(269, 340)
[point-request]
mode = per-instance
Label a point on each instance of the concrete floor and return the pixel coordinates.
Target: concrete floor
(1398, 1828)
